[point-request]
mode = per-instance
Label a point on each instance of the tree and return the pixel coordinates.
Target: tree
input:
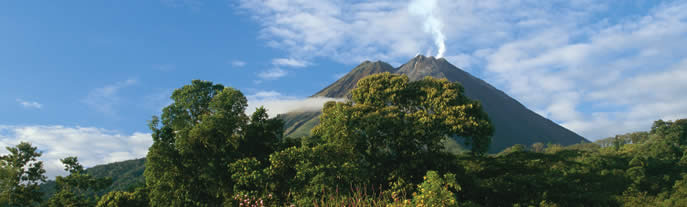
(24, 175)
(77, 188)
(437, 191)
(513, 149)
(138, 198)
(197, 138)
(538, 147)
(6, 173)
(307, 173)
(261, 135)
(395, 128)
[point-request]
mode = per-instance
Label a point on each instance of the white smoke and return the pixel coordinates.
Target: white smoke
(426, 9)
(276, 103)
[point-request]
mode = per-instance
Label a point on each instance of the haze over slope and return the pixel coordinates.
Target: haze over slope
(513, 122)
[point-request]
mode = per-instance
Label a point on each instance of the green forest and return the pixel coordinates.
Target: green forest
(393, 143)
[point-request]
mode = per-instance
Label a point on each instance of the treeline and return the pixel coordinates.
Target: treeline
(384, 147)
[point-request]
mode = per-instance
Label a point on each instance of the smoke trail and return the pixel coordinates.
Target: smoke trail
(426, 9)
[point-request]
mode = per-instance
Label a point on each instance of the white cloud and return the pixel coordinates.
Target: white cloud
(463, 61)
(276, 103)
(346, 32)
(238, 63)
(92, 146)
(576, 62)
(272, 74)
(30, 104)
(613, 79)
(104, 99)
(290, 62)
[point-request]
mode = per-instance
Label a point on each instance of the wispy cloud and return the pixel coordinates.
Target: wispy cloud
(92, 146)
(272, 74)
(277, 72)
(290, 62)
(157, 100)
(277, 103)
(104, 99)
(333, 29)
(572, 64)
(30, 104)
(238, 63)
(574, 77)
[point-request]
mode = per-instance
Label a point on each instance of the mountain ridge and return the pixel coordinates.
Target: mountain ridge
(341, 87)
(514, 123)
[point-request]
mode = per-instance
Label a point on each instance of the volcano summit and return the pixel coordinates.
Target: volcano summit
(513, 122)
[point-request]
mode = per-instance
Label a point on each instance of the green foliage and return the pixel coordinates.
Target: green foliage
(512, 149)
(396, 128)
(565, 178)
(538, 147)
(197, 138)
(6, 175)
(21, 175)
(301, 174)
(138, 198)
(387, 146)
(76, 188)
(437, 191)
(248, 176)
(126, 176)
(261, 136)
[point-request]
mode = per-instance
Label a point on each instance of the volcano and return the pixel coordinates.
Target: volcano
(513, 122)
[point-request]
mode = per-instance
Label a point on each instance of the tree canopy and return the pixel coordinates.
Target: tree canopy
(77, 188)
(198, 136)
(24, 175)
(384, 147)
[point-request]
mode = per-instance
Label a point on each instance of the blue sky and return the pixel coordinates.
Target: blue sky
(83, 77)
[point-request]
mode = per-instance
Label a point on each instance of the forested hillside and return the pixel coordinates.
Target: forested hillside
(125, 175)
(384, 147)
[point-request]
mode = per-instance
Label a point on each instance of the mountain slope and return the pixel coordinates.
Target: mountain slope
(297, 124)
(513, 122)
(125, 176)
(345, 84)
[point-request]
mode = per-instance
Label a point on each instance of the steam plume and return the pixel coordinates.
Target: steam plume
(426, 10)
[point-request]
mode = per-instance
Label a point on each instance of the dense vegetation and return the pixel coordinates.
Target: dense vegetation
(384, 147)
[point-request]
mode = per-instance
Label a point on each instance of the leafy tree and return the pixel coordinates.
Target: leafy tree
(553, 148)
(261, 136)
(197, 138)
(138, 198)
(679, 193)
(437, 190)
(248, 176)
(6, 173)
(77, 188)
(23, 174)
(302, 174)
(512, 149)
(395, 127)
(538, 147)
